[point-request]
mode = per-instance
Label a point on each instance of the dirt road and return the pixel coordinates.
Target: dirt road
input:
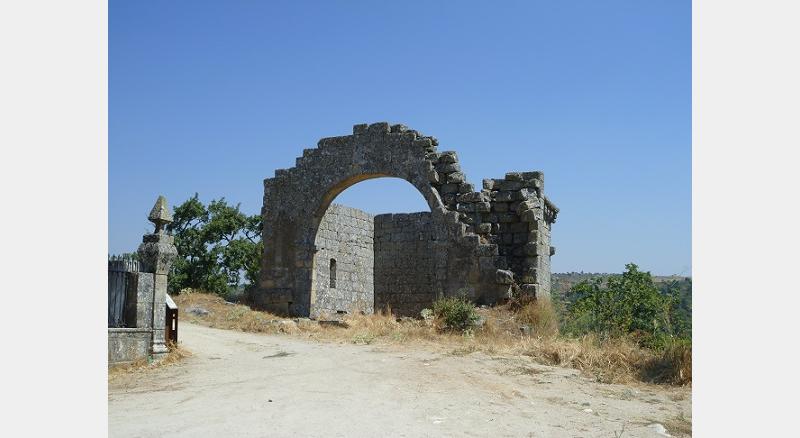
(253, 385)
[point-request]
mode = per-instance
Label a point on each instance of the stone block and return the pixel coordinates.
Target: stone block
(531, 249)
(398, 128)
(503, 276)
(529, 289)
(522, 194)
(144, 315)
(507, 217)
(489, 217)
(482, 207)
(361, 128)
(510, 185)
(159, 315)
(448, 167)
(487, 250)
(449, 188)
(378, 128)
(520, 238)
(455, 178)
(500, 207)
(531, 215)
(127, 345)
(448, 157)
(529, 204)
(532, 175)
(503, 196)
(473, 197)
(140, 287)
(466, 208)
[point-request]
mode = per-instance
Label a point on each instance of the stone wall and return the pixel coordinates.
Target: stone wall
(405, 274)
(345, 239)
(487, 244)
(126, 345)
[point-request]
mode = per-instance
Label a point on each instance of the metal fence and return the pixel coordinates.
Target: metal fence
(118, 267)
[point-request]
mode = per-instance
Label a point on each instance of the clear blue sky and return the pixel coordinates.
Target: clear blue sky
(212, 97)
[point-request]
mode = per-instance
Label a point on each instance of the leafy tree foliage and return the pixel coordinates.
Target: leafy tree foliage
(627, 304)
(217, 244)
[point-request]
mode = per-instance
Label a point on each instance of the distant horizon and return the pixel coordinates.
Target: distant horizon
(213, 98)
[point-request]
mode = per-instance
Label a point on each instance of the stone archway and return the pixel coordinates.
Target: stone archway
(468, 235)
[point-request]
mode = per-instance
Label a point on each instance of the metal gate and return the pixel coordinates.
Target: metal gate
(118, 267)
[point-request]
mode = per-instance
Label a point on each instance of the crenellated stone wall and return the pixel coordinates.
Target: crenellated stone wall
(344, 246)
(405, 275)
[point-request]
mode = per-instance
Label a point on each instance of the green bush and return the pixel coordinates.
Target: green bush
(629, 304)
(457, 313)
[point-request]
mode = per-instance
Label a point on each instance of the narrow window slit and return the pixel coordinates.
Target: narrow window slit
(333, 273)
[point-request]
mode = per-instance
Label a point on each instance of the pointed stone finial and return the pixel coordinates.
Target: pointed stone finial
(160, 214)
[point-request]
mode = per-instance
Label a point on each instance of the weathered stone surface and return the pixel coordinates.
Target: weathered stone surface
(160, 215)
(405, 262)
(196, 310)
(436, 254)
(455, 178)
(127, 345)
(448, 167)
(448, 157)
(504, 276)
(345, 251)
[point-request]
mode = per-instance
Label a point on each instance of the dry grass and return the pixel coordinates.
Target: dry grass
(673, 366)
(539, 315)
(610, 361)
(223, 315)
(176, 354)
(679, 426)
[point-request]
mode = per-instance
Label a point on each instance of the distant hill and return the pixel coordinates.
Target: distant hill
(563, 282)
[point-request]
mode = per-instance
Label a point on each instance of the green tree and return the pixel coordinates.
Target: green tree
(625, 304)
(216, 244)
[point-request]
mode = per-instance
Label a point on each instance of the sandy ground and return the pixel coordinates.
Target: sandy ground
(254, 385)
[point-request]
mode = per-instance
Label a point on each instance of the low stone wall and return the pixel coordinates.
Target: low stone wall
(127, 345)
(404, 263)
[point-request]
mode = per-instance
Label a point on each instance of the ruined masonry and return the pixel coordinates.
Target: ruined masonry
(322, 258)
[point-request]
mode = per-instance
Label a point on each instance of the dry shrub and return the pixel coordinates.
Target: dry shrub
(539, 315)
(679, 426)
(385, 327)
(673, 366)
(126, 368)
(225, 315)
(176, 354)
(609, 361)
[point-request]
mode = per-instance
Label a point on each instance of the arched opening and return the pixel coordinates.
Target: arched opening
(373, 249)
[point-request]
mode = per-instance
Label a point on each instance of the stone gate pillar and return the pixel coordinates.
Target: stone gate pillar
(156, 254)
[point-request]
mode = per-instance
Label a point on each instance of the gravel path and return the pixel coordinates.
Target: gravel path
(254, 385)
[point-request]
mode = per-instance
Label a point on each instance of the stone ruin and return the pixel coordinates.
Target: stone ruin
(322, 258)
